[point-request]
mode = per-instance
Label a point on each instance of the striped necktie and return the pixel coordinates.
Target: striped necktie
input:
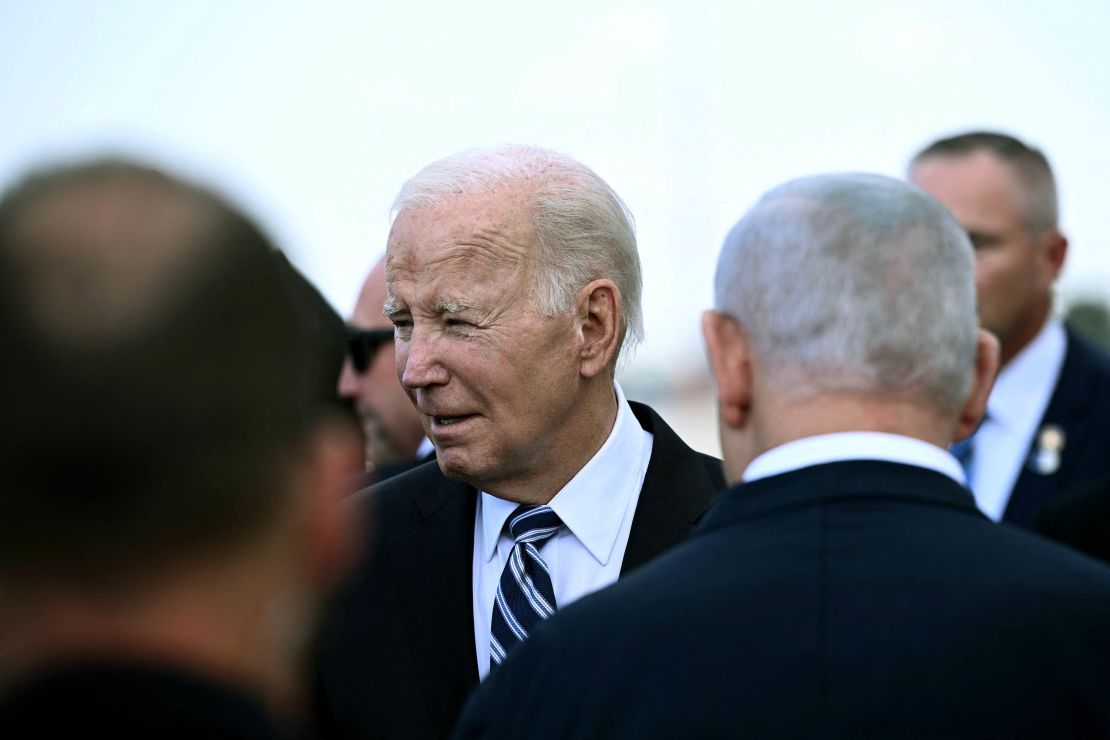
(525, 596)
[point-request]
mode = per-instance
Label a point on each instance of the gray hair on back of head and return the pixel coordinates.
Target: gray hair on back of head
(583, 230)
(854, 283)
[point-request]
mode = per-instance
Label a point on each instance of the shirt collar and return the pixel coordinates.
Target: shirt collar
(840, 446)
(426, 448)
(1031, 374)
(593, 503)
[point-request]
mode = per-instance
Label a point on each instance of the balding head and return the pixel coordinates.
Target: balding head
(845, 303)
(149, 386)
(855, 283)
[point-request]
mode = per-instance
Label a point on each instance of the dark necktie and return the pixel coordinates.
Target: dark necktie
(525, 596)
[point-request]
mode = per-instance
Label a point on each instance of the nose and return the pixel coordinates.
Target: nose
(420, 361)
(348, 380)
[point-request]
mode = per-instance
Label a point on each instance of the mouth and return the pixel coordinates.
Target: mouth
(443, 423)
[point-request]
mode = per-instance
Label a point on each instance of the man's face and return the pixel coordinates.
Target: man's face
(496, 381)
(390, 423)
(1014, 268)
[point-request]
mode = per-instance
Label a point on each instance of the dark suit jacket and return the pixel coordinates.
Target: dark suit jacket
(1080, 521)
(846, 600)
(127, 700)
(1080, 406)
(397, 659)
(384, 472)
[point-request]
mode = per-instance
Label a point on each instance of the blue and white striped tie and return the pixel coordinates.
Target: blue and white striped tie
(525, 596)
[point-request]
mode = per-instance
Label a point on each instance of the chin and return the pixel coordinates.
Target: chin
(457, 467)
(451, 466)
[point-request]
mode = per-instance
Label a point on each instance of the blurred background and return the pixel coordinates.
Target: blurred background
(312, 117)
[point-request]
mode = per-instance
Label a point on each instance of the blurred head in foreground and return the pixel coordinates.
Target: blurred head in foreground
(166, 473)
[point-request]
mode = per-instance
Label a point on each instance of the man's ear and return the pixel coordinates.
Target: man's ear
(986, 369)
(729, 359)
(598, 314)
(1054, 250)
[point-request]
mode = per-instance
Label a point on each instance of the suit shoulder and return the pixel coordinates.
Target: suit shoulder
(397, 503)
(689, 480)
(714, 468)
(1083, 359)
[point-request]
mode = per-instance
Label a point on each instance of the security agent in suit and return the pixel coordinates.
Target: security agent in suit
(168, 471)
(395, 440)
(513, 282)
(1043, 440)
(847, 586)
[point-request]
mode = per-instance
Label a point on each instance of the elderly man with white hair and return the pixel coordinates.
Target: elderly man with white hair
(513, 284)
(846, 586)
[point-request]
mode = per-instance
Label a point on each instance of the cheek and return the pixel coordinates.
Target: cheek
(384, 371)
(991, 271)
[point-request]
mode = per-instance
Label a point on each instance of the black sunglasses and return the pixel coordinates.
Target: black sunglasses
(363, 343)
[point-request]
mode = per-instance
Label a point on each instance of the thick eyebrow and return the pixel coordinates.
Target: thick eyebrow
(452, 306)
(391, 309)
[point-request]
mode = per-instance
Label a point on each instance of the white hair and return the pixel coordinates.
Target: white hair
(854, 283)
(583, 230)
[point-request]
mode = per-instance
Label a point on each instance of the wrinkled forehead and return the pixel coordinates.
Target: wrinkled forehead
(485, 233)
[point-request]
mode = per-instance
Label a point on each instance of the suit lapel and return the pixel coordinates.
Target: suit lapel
(679, 487)
(431, 568)
(431, 563)
(1066, 409)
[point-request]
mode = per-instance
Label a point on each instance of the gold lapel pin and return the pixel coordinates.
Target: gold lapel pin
(1050, 443)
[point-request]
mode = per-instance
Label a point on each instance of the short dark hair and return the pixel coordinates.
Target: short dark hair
(150, 404)
(1028, 163)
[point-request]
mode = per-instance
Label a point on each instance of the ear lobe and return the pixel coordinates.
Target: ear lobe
(598, 323)
(727, 349)
(986, 369)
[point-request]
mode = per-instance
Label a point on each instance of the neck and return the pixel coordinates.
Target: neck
(233, 629)
(779, 420)
(1022, 338)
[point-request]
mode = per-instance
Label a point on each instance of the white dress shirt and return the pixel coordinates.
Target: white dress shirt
(596, 507)
(1015, 409)
(426, 448)
(842, 446)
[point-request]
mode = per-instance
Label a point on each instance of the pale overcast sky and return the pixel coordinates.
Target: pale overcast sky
(312, 115)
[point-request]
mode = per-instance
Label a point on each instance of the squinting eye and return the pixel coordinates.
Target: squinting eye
(458, 325)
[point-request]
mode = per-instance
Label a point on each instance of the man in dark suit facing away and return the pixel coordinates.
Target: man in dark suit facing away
(513, 282)
(847, 586)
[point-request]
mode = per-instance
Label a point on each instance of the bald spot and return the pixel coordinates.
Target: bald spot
(102, 261)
